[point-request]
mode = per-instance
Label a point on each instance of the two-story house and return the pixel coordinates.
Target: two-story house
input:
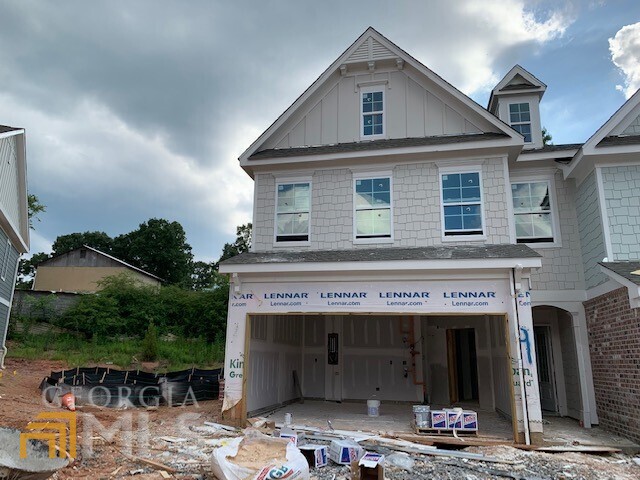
(14, 220)
(411, 245)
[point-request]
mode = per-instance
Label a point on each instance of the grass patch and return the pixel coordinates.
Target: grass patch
(124, 353)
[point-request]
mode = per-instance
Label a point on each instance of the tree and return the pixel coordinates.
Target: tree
(203, 275)
(27, 269)
(98, 240)
(159, 247)
(546, 137)
(34, 208)
(241, 245)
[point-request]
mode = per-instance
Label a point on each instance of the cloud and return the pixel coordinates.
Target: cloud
(625, 54)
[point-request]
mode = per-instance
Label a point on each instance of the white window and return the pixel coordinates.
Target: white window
(461, 203)
(532, 212)
(373, 208)
(372, 116)
(293, 206)
(520, 119)
(5, 261)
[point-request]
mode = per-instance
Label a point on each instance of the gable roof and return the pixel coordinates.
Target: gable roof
(110, 257)
(609, 135)
(367, 47)
(516, 80)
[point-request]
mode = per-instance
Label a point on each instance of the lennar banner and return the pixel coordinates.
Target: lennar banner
(428, 297)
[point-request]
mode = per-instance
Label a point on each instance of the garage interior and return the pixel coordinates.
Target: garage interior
(403, 360)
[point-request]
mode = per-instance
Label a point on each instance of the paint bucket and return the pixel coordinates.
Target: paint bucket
(422, 416)
(373, 408)
(288, 418)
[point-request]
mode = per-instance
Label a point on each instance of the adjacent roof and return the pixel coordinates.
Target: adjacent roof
(553, 148)
(385, 254)
(376, 145)
(627, 270)
(6, 129)
(616, 140)
(111, 257)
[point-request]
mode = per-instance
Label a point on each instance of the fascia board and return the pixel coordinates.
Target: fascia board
(399, 265)
(632, 288)
(384, 152)
(12, 133)
(23, 191)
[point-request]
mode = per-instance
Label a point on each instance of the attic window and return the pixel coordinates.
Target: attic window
(372, 112)
(520, 119)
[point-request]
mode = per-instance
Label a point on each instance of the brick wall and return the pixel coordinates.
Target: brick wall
(614, 343)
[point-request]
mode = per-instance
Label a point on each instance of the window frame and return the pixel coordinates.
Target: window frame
(381, 87)
(459, 170)
(514, 124)
(291, 181)
(549, 179)
(370, 176)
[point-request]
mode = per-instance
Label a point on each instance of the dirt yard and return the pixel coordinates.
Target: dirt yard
(179, 443)
(142, 429)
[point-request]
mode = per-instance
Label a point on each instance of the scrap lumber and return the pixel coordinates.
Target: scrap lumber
(153, 464)
(440, 440)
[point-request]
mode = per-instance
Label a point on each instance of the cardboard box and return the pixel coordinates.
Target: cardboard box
(316, 455)
(293, 436)
(439, 419)
(467, 421)
(345, 451)
(371, 466)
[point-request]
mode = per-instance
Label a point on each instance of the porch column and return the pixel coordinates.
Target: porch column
(579, 324)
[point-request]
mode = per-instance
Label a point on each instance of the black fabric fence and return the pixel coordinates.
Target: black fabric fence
(110, 387)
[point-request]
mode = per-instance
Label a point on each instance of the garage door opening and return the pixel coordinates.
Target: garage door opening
(438, 360)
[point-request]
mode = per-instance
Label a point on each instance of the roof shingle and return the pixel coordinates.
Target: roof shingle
(625, 269)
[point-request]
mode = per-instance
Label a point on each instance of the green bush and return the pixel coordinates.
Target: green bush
(150, 344)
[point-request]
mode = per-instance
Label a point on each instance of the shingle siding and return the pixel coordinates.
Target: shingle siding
(6, 285)
(562, 266)
(591, 232)
(621, 187)
(416, 208)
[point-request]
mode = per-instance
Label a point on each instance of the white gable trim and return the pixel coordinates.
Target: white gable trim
(518, 70)
(402, 55)
(19, 234)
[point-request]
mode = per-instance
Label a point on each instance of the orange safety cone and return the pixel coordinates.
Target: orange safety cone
(68, 401)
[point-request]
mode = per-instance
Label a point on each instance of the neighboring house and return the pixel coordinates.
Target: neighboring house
(411, 245)
(14, 220)
(81, 270)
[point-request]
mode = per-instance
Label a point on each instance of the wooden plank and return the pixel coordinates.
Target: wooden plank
(452, 365)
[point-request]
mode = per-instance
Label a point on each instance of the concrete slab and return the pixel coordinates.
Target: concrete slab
(396, 417)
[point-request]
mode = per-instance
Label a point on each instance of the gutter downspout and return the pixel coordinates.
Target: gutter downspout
(515, 289)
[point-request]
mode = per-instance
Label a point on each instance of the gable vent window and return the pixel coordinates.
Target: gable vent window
(520, 119)
(372, 112)
(292, 212)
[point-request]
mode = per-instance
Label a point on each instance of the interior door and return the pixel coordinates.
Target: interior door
(544, 361)
(333, 378)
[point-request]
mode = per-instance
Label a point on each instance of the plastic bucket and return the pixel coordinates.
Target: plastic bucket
(373, 408)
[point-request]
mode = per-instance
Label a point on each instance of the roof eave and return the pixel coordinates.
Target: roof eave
(386, 265)
(632, 288)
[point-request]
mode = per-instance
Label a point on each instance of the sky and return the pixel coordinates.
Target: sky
(138, 110)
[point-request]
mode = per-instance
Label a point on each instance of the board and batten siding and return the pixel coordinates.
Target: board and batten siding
(416, 208)
(6, 285)
(591, 231)
(9, 181)
(332, 115)
(621, 187)
(562, 266)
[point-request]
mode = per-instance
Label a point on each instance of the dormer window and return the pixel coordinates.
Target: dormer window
(372, 112)
(520, 119)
